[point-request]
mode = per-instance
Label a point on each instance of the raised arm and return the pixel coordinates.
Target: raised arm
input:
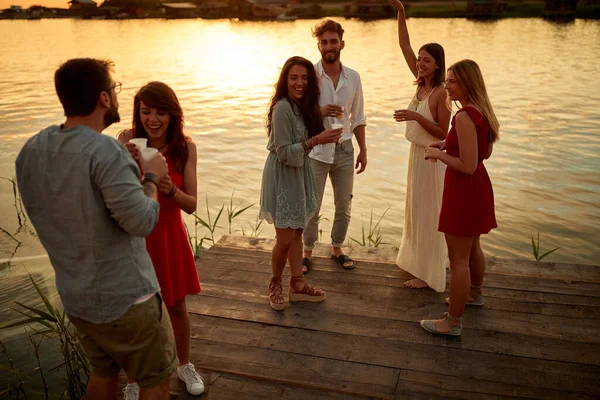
(403, 38)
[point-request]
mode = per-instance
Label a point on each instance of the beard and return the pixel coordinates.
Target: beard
(111, 116)
(330, 57)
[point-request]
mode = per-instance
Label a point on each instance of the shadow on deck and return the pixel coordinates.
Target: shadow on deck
(537, 336)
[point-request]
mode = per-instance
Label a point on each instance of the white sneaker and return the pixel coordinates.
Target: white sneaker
(131, 391)
(193, 382)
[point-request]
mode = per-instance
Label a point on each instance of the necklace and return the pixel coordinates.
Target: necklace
(162, 147)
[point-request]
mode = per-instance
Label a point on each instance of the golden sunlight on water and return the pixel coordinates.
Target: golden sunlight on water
(542, 80)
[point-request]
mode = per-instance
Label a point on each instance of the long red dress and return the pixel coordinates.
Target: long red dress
(170, 251)
(468, 200)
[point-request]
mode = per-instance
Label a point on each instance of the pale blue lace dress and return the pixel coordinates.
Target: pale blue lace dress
(288, 195)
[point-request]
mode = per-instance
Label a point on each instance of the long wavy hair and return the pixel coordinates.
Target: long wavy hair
(160, 95)
(469, 77)
(437, 52)
(308, 104)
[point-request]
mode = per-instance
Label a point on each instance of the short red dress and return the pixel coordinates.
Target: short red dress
(170, 250)
(468, 200)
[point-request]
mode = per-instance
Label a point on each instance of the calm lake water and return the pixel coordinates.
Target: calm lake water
(542, 79)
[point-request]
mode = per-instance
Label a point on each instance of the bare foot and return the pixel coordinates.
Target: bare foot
(416, 283)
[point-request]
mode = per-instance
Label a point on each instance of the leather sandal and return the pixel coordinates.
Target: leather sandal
(306, 264)
(343, 259)
(276, 294)
(307, 293)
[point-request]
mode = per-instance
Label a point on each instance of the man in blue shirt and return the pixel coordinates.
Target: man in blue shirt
(82, 192)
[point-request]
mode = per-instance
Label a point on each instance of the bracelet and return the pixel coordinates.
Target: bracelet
(172, 192)
(305, 146)
(150, 177)
(317, 138)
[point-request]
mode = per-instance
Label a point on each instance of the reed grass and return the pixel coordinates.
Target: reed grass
(51, 323)
(535, 247)
(373, 237)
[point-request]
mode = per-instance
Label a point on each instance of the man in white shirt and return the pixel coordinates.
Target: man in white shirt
(341, 102)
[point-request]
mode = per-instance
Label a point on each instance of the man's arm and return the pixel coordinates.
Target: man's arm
(134, 206)
(359, 122)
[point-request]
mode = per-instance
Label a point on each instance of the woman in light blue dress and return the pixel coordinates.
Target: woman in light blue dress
(289, 194)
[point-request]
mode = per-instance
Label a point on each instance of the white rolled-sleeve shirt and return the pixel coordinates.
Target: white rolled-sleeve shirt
(348, 94)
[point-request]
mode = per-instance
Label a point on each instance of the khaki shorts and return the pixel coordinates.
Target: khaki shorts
(140, 342)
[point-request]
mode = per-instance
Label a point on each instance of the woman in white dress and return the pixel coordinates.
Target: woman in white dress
(423, 251)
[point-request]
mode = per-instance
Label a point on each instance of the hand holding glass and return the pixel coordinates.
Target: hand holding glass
(154, 162)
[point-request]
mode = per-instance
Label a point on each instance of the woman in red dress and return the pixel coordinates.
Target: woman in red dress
(468, 199)
(158, 117)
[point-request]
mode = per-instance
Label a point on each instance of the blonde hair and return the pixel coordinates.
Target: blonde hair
(468, 75)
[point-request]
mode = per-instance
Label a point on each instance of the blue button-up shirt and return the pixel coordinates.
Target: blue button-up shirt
(82, 192)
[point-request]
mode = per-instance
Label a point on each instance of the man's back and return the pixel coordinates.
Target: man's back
(81, 190)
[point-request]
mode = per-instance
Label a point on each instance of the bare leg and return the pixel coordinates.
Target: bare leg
(459, 250)
(279, 255)
(158, 392)
(295, 253)
(101, 387)
(476, 268)
(180, 320)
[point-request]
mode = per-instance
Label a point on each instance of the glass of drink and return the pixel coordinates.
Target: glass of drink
(139, 143)
(148, 153)
(337, 126)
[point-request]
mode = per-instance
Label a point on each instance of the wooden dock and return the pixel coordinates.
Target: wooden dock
(538, 335)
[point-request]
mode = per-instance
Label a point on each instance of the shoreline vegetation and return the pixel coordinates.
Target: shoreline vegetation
(288, 10)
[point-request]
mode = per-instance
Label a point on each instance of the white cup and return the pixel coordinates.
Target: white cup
(139, 143)
(337, 126)
(148, 153)
(341, 114)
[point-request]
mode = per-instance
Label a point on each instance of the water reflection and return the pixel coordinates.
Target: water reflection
(540, 75)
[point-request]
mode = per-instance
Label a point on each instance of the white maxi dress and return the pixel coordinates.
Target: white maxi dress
(423, 251)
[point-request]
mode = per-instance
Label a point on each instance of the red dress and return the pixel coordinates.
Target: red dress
(170, 251)
(468, 200)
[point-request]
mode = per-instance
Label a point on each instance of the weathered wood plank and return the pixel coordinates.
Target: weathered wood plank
(297, 369)
(371, 286)
(255, 263)
(365, 351)
(590, 273)
(385, 305)
(525, 283)
(231, 387)
(449, 386)
(345, 322)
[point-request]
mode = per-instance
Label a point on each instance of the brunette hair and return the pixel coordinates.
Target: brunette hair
(308, 104)
(437, 52)
(328, 25)
(469, 77)
(79, 82)
(160, 95)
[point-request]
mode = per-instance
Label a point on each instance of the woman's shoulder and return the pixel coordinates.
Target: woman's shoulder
(189, 143)
(283, 104)
(475, 114)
